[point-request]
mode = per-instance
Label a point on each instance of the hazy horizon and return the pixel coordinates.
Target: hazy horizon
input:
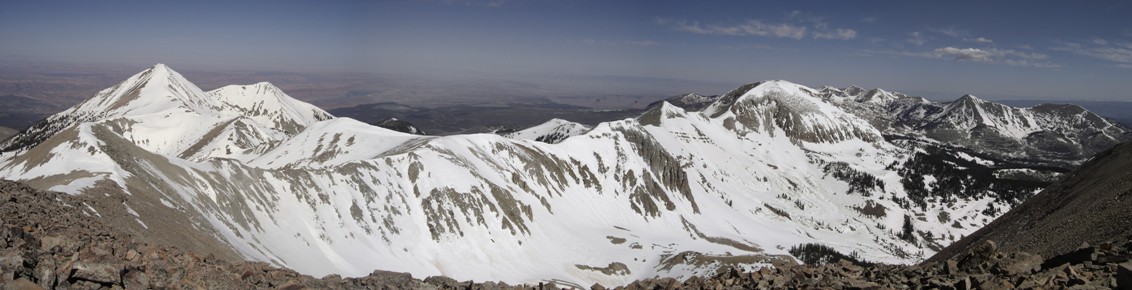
(1001, 50)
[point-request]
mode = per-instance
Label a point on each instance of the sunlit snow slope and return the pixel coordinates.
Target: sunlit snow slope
(673, 193)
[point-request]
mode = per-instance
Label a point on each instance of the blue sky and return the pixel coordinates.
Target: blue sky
(940, 49)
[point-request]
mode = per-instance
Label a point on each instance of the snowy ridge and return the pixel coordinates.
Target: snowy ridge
(155, 90)
(859, 95)
(672, 193)
(268, 105)
(690, 102)
(1062, 134)
(552, 131)
(796, 110)
(969, 112)
(152, 109)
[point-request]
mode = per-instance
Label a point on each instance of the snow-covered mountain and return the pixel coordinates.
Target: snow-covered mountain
(689, 102)
(1050, 134)
(250, 171)
(552, 131)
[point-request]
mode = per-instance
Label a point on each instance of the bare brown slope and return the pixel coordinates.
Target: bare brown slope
(1091, 205)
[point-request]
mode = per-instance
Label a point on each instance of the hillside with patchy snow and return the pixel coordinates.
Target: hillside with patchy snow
(672, 193)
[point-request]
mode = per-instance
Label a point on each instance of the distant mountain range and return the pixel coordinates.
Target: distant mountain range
(1116, 110)
(686, 187)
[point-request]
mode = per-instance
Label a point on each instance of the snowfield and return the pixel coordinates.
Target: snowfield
(673, 193)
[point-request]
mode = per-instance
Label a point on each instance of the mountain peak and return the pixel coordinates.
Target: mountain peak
(970, 98)
(269, 105)
(658, 113)
(879, 96)
(853, 90)
(553, 131)
(798, 111)
(153, 90)
(265, 85)
(689, 102)
(162, 72)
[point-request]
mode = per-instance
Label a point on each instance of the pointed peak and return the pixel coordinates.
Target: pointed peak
(663, 110)
(162, 74)
(160, 70)
(853, 90)
(665, 106)
(155, 89)
(970, 98)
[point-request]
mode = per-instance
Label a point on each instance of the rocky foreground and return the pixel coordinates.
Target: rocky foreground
(50, 241)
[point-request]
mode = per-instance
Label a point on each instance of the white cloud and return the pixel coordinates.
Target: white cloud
(983, 55)
(750, 27)
(840, 33)
(993, 55)
(1116, 52)
(962, 54)
(799, 25)
(979, 40)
